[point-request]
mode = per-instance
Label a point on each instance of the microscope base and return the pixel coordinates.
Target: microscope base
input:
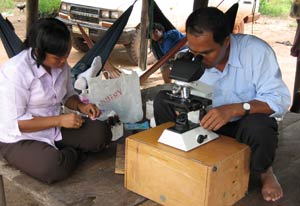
(188, 140)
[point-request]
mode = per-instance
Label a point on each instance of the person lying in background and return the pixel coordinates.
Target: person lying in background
(166, 41)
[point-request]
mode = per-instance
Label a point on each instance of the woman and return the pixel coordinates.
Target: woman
(34, 136)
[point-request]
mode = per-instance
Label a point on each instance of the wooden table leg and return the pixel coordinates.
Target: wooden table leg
(296, 96)
(2, 192)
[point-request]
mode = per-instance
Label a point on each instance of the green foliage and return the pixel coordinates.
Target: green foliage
(48, 8)
(6, 4)
(275, 7)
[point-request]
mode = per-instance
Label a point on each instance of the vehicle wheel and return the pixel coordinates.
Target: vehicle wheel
(133, 49)
(79, 44)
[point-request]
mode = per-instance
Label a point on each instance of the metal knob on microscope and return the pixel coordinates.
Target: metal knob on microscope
(176, 89)
(201, 138)
(186, 91)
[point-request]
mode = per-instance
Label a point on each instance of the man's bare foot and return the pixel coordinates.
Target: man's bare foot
(271, 189)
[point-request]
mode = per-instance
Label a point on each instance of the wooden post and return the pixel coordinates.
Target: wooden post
(295, 52)
(31, 13)
(199, 4)
(2, 192)
(296, 95)
(144, 38)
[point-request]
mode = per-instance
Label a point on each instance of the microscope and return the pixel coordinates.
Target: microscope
(188, 95)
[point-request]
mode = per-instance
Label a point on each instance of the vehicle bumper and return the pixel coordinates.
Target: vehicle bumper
(96, 32)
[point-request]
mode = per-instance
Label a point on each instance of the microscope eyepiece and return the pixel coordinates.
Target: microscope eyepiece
(187, 68)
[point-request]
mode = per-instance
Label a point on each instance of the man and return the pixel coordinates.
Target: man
(166, 40)
(248, 90)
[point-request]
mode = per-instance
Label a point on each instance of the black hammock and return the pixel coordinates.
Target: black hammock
(11, 42)
(156, 15)
(103, 47)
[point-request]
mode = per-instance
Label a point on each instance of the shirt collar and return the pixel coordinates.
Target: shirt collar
(166, 34)
(233, 59)
(40, 71)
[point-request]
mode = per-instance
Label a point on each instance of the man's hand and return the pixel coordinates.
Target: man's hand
(89, 109)
(218, 117)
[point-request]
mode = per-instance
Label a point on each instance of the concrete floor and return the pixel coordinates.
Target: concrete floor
(95, 184)
(17, 197)
(286, 167)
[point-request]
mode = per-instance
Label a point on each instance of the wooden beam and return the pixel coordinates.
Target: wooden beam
(85, 36)
(2, 192)
(144, 38)
(120, 159)
(31, 13)
(296, 95)
(199, 4)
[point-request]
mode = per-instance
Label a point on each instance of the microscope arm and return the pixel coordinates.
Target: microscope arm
(198, 88)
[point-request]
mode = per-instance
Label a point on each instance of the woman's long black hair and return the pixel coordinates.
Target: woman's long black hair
(48, 35)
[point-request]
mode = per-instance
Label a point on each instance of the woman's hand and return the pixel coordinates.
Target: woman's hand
(71, 120)
(89, 109)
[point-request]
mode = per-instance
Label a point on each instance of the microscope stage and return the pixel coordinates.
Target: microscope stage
(187, 140)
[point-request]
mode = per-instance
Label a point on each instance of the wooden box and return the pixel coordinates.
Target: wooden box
(215, 174)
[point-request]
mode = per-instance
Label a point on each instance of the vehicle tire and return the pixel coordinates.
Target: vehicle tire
(79, 44)
(133, 49)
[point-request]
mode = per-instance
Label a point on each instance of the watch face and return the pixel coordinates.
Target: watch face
(246, 106)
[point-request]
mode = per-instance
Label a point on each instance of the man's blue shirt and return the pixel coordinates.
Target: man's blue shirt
(170, 39)
(251, 73)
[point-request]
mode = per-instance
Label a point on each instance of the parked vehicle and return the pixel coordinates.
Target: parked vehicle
(96, 16)
(247, 12)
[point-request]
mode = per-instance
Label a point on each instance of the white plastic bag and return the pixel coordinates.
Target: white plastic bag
(121, 95)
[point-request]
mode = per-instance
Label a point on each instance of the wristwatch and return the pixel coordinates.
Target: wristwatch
(246, 107)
